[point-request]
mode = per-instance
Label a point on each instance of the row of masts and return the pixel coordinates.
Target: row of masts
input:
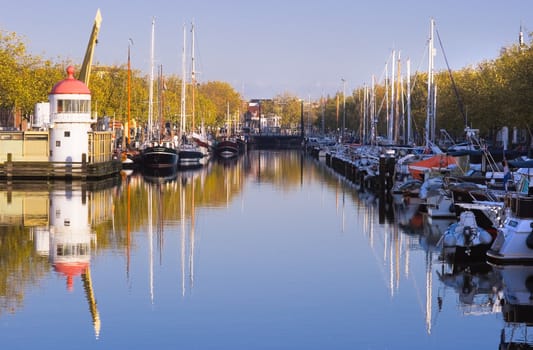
(152, 127)
(397, 102)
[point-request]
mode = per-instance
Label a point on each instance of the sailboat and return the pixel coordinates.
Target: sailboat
(129, 155)
(201, 139)
(157, 155)
(227, 145)
(190, 154)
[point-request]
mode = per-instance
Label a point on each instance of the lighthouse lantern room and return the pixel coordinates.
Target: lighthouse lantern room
(70, 119)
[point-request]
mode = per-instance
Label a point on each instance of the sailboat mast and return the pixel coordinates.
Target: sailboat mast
(373, 120)
(365, 114)
(430, 118)
(151, 83)
(129, 95)
(183, 84)
(161, 101)
(397, 100)
(193, 77)
(390, 133)
(409, 132)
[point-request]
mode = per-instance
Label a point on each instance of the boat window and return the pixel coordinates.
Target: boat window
(513, 223)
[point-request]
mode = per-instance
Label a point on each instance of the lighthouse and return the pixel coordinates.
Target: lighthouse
(70, 119)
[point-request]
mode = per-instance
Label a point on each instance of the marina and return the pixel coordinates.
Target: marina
(169, 211)
(273, 249)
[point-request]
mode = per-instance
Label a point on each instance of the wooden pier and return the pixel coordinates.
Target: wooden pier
(44, 170)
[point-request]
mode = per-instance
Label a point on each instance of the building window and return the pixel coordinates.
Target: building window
(67, 133)
(58, 143)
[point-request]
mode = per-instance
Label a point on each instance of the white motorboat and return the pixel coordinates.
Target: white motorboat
(514, 242)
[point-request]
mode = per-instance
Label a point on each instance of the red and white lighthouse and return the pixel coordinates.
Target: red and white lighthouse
(70, 119)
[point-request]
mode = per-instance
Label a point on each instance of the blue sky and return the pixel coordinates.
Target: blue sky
(264, 48)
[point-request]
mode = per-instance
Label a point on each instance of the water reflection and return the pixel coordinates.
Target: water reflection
(479, 288)
(158, 225)
(60, 220)
(517, 310)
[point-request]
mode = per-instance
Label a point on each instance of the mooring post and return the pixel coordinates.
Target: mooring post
(84, 166)
(9, 166)
(382, 173)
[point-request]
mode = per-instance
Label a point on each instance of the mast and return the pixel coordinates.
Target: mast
(396, 120)
(430, 116)
(373, 111)
(183, 84)
(323, 106)
(127, 128)
(409, 131)
(129, 94)
(390, 125)
(228, 119)
(365, 114)
(151, 83)
(193, 77)
(161, 100)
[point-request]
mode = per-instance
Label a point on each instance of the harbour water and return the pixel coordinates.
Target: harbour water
(269, 251)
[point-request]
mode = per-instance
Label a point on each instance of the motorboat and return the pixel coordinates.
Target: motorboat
(465, 240)
(514, 241)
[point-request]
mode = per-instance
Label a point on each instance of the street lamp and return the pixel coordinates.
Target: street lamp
(343, 108)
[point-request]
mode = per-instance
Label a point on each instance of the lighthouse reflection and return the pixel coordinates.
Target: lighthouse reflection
(60, 222)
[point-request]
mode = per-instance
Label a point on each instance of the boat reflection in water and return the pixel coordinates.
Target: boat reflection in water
(517, 308)
(160, 175)
(218, 257)
(478, 286)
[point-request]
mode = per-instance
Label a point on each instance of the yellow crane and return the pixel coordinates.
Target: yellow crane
(85, 70)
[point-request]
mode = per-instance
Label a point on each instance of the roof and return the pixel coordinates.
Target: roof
(70, 85)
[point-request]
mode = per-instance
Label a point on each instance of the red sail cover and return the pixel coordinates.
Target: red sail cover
(437, 162)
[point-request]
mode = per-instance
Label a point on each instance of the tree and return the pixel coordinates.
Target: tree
(221, 95)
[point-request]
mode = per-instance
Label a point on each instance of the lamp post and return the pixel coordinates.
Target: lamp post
(343, 108)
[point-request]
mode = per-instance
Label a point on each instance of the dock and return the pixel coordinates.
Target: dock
(45, 170)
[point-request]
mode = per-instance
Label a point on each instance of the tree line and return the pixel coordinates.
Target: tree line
(27, 79)
(487, 96)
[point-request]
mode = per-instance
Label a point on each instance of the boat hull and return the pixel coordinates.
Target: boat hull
(227, 149)
(190, 158)
(511, 248)
(159, 158)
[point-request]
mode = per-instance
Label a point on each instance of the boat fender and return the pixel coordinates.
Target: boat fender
(529, 241)
(529, 284)
(451, 208)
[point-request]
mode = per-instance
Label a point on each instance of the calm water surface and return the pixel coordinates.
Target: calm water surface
(273, 251)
